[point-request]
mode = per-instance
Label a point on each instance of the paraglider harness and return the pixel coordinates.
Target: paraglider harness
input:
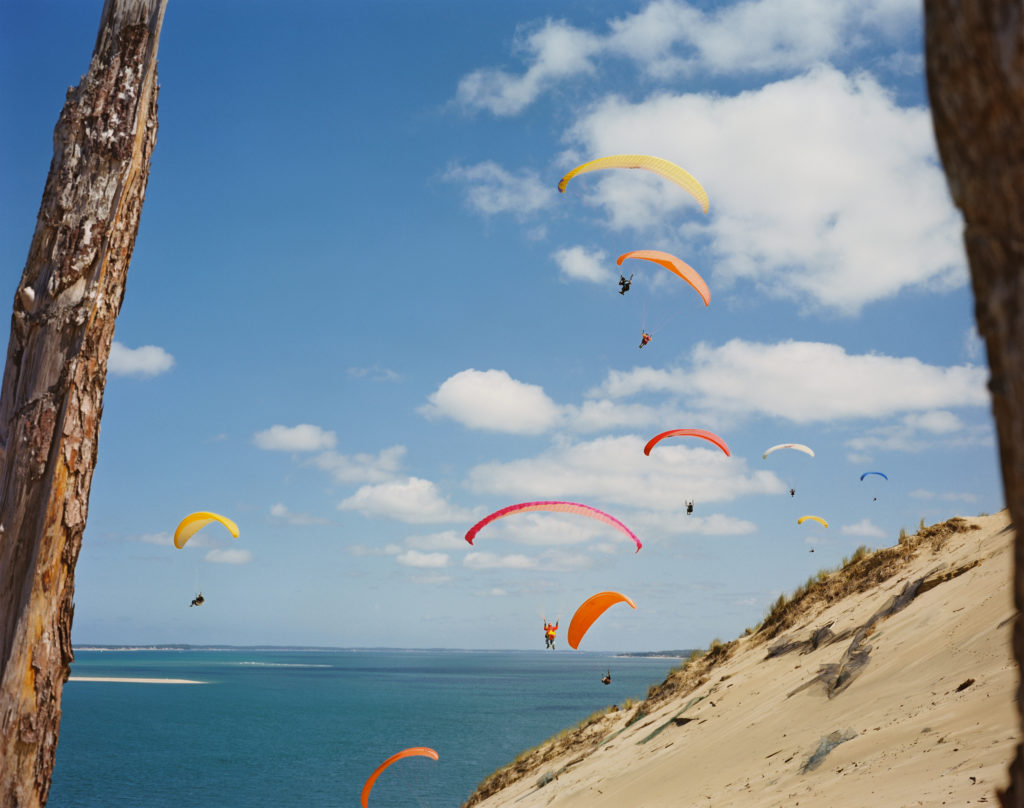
(549, 634)
(607, 678)
(644, 339)
(624, 283)
(198, 600)
(689, 507)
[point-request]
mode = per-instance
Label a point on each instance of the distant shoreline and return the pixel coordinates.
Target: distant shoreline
(134, 680)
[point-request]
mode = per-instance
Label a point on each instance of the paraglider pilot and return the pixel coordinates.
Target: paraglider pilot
(624, 283)
(549, 634)
(607, 678)
(792, 492)
(689, 507)
(198, 600)
(644, 338)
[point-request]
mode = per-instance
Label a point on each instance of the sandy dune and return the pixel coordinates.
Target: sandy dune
(921, 710)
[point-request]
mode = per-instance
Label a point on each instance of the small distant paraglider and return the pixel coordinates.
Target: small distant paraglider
(591, 609)
(413, 751)
(817, 519)
(881, 474)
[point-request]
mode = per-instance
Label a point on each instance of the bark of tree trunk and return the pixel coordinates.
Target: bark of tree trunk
(975, 66)
(52, 393)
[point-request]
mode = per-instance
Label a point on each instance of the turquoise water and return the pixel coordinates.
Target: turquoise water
(279, 727)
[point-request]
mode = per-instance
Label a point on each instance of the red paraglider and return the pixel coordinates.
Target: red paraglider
(696, 433)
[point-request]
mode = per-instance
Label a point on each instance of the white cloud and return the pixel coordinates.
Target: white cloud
(281, 511)
(579, 264)
(414, 501)
(555, 51)
(484, 560)
(491, 189)
(217, 556)
(300, 438)
(146, 361)
(805, 382)
(834, 158)
(492, 400)
(362, 468)
(414, 558)
(163, 538)
(918, 431)
(667, 38)
(615, 470)
(865, 527)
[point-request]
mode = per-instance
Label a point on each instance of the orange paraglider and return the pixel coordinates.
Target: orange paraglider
(591, 609)
(421, 751)
(675, 266)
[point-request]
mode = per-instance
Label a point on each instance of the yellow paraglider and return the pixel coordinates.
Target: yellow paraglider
(591, 609)
(660, 166)
(195, 522)
(817, 519)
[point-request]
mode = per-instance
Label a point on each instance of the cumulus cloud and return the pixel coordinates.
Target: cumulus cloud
(146, 361)
(162, 538)
(414, 558)
(362, 468)
(494, 401)
(806, 382)
(218, 556)
(865, 527)
(555, 50)
(478, 560)
(667, 38)
(834, 158)
(281, 511)
(615, 470)
(579, 264)
(491, 189)
(413, 500)
(300, 438)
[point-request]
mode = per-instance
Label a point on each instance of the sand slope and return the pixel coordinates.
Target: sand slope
(921, 712)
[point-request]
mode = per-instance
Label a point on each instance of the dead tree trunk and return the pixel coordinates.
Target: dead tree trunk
(52, 394)
(975, 66)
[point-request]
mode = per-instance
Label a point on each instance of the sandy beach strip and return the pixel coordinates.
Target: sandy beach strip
(135, 680)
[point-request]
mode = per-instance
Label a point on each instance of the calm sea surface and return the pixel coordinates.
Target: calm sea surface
(280, 727)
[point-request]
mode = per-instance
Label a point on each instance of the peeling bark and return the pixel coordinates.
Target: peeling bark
(975, 66)
(51, 398)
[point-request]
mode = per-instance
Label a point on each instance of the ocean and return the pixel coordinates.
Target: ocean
(306, 727)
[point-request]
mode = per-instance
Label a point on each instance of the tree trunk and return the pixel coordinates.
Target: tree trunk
(975, 65)
(52, 395)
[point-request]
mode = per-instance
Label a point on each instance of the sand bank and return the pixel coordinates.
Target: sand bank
(897, 692)
(135, 680)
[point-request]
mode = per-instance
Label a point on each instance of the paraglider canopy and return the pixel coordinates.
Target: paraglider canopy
(674, 265)
(879, 473)
(696, 433)
(555, 506)
(591, 609)
(658, 165)
(797, 446)
(817, 519)
(421, 751)
(195, 522)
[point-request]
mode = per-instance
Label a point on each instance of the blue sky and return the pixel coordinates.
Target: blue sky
(360, 316)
